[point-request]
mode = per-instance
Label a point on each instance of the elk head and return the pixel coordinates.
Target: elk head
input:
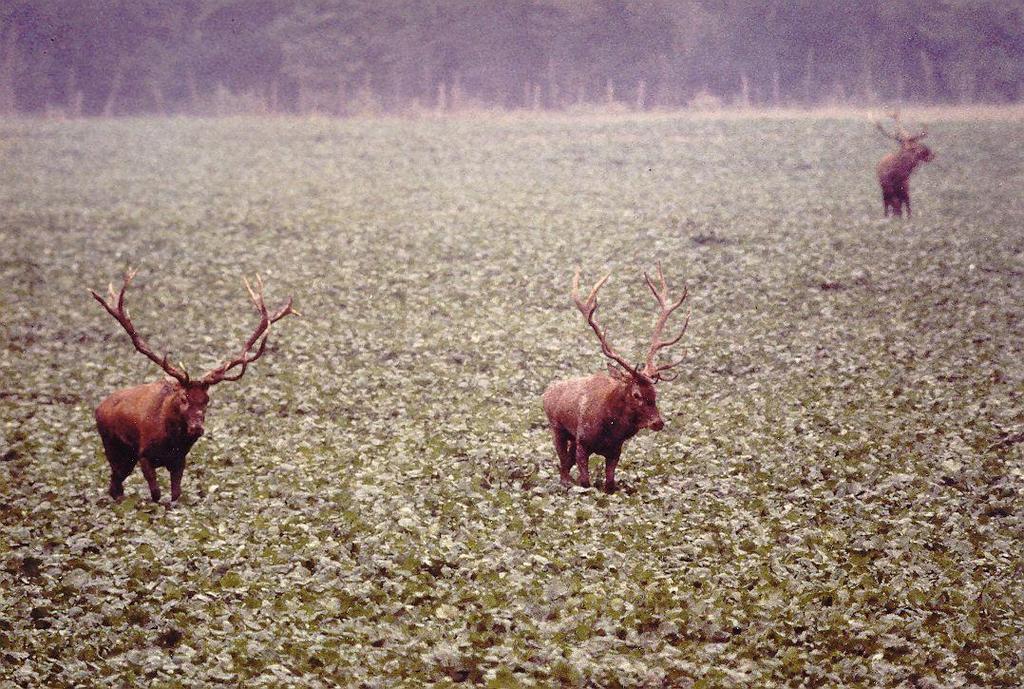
(639, 381)
(192, 394)
(910, 144)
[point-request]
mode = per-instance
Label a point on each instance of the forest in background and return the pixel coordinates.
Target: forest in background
(341, 57)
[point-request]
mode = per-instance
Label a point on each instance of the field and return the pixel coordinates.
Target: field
(835, 500)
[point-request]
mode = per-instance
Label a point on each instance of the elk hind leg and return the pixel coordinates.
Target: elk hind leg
(564, 446)
(150, 473)
(121, 460)
(897, 207)
(582, 464)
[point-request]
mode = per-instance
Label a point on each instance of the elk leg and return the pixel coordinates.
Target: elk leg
(610, 462)
(564, 446)
(906, 202)
(176, 472)
(121, 462)
(582, 461)
(150, 473)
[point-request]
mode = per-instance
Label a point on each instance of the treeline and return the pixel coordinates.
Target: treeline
(111, 57)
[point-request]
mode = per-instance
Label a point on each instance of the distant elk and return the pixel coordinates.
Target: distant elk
(894, 169)
(156, 424)
(599, 413)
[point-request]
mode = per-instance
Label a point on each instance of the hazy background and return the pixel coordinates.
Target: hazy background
(362, 56)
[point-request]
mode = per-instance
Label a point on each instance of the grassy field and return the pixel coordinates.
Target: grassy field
(834, 502)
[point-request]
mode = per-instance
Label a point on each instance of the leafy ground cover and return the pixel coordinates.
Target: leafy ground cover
(835, 501)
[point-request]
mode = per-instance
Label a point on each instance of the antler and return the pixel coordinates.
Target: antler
(117, 309)
(247, 356)
(901, 135)
(587, 308)
(652, 371)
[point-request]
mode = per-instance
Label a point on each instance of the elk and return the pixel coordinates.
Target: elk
(597, 414)
(156, 424)
(894, 169)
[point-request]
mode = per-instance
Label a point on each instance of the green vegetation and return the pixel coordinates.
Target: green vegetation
(835, 500)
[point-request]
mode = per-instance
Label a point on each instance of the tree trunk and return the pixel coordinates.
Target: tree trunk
(8, 71)
(809, 78)
(553, 90)
(73, 95)
(274, 98)
(193, 90)
(456, 95)
(341, 104)
(441, 104)
(868, 92)
(928, 69)
(115, 86)
(158, 97)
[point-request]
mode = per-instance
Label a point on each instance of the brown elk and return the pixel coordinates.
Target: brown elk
(894, 169)
(156, 424)
(599, 413)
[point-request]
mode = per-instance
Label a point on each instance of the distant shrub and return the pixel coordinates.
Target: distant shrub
(705, 100)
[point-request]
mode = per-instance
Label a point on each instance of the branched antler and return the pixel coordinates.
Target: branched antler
(900, 134)
(247, 356)
(588, 308)
(652, 371)
(116, 308)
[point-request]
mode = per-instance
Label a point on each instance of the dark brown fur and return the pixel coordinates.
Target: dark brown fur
(599, 413)
(894, 175)
(894, 170)
(154, 425)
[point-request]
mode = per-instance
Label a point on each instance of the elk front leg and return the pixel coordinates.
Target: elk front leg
(177, 471)
(150, 473)
(582, 464)
(610, 462)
